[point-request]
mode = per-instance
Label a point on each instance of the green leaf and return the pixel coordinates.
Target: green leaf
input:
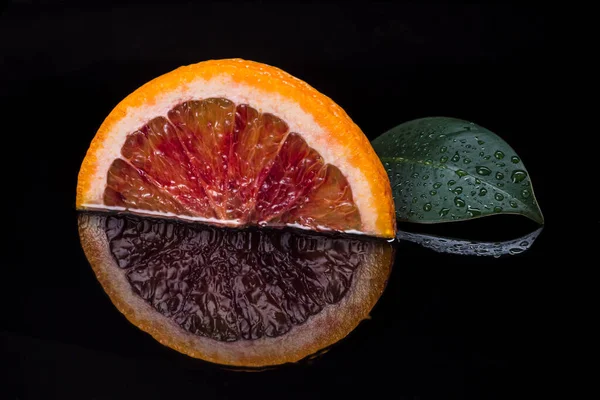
(445, 169)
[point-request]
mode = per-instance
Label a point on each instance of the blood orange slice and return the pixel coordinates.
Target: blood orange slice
(237, 143)
(243, 145)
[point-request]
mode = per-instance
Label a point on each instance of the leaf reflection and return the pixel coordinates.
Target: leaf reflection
(470, 247)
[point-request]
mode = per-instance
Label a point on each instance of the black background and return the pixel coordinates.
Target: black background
(446, 327)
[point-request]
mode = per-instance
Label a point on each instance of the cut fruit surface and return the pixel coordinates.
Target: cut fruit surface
(251, 297)
(237, 143)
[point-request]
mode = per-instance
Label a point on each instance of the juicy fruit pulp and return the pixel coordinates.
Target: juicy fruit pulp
(230, 284)
(251, 297)
(215, 160)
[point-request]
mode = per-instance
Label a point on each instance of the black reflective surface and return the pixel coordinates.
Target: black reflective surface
(447, 326)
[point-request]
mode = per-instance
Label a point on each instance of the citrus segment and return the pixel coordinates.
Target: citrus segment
(256, 141)
(329, 205)
(156, 151)
(205, 128)
(128, 187)
(297, 171)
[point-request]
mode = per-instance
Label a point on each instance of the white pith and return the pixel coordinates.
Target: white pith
(333, 151)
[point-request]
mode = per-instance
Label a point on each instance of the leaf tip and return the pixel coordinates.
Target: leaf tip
(537, 216)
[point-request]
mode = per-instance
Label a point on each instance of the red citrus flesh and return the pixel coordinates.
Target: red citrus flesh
(212, 159)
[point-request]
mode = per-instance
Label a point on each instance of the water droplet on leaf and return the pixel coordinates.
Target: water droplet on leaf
(461, 173)
(473, 212)
(499, 196)
(513, 204)
(427, 207)
(444, 212)
(483, 170)
(518, 176)
(459, 202)
(499, 175)
(515, 159)
(499, 155)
